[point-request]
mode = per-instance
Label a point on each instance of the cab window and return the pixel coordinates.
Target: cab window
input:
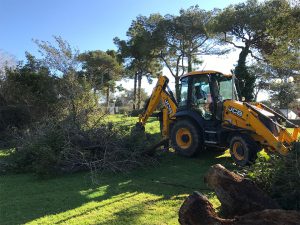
(201, 96)
(223, 86)
(183, 92)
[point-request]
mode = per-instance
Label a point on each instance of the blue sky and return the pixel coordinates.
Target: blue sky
(85, 24)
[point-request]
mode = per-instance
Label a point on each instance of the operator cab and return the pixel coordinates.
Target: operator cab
(204, 92)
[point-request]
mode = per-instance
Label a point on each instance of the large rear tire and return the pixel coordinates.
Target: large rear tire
(185, 138)
(243, 149)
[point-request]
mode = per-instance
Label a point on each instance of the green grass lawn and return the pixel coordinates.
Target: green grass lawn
(152, 126)
(149, 195)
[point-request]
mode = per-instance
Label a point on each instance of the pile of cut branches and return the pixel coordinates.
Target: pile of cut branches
(53, 147)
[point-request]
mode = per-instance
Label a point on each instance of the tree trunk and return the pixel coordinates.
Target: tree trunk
(246, 80)
(139, 91)
(236, 194)
(197, 210)
(190, 63)
(134, 90)
(242, 201)
(107, 97)
(177, 89)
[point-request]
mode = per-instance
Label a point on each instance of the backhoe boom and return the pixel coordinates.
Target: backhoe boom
(161, 93)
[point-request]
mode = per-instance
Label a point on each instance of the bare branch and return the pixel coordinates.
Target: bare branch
(255, 57)
(230, 42)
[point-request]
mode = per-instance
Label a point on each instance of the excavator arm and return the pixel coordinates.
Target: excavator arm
(161, 93)
(281, 139)
(261, 123)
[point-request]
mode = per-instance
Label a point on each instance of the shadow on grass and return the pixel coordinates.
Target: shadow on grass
(24, 198)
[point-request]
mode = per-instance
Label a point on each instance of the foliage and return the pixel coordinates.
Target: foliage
(14, 116)
(53, 147)
(42, 147)
(137, 53)
(188, 36)
(283, 94)
(179, 40)
(136, 112)
(41, 150)
(27, 94)
(60, 57)
(245, 26)
(101, 70)
(7, 61)
(126, 99)
(45, 147)
(263, 75)
(279, 176)
(246, 80)
(284, 29)
(72, 136)
(281, 84)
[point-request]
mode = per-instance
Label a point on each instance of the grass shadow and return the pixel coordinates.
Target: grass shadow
(69, 198)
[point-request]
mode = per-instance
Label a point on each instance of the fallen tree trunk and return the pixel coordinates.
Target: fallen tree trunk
(197, 210)
(237, 195)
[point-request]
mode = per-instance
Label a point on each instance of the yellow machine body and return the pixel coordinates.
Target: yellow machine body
(245, 128)
(246, 116)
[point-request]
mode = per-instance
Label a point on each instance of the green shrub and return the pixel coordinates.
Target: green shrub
(136, 112)
(124, 110)
(279, 176)
(14, 116)
(41, 150)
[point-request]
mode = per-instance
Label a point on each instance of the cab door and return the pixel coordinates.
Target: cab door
(201, 97)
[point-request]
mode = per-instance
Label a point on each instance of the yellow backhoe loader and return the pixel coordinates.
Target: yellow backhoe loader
(209, 114)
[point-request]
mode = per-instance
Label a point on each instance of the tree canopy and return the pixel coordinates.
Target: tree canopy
(245, 27)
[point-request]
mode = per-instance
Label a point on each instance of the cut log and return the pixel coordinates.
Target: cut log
(197, 210)
(237, 195)
(269, 217)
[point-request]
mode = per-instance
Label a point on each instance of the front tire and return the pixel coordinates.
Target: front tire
(243, 150)
(185, 138)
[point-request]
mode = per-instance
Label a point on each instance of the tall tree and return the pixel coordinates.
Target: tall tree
(138, 55)
(284, 31)
(101, 69)
(180, 40)
(284, 90)
(244, 26)
(31, 86)
(281, 83)
(60, 57)
(62, 60)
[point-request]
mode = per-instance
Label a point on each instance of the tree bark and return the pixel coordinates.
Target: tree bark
(134, 90)
(236, 194)
(107, 97)
(189, 56)
(246, 80)
(139, 91)
(177, 89)
(197, 210)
